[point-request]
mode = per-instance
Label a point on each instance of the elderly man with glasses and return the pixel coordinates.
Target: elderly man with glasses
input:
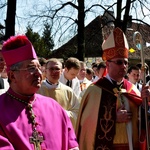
(30, 121)
(109, 112)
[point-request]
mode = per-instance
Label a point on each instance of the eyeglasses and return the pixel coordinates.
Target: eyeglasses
(54, 69)
(119, 62)
(30, 69)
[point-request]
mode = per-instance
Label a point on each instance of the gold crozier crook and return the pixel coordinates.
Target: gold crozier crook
(138, 41)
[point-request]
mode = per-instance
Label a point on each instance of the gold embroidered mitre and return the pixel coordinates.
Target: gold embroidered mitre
(115, 46)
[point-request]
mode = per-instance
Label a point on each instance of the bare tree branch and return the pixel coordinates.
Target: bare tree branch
(63, 5)
(141, 21)
(98, 5)
(3, 5)
(64, 16)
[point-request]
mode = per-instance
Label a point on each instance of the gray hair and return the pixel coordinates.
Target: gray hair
(16, 66)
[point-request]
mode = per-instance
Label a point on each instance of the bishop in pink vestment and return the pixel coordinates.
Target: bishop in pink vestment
(53, 124)
(30, 121)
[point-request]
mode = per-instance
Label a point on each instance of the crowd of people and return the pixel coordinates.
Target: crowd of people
(47, 105)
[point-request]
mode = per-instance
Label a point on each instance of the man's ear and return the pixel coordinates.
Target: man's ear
(11, 75)
(65, 69)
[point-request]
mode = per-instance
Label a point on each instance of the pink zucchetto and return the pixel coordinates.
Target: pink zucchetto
(17, 49)
(115, 46)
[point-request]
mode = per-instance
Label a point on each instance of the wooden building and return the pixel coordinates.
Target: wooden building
(94, 34)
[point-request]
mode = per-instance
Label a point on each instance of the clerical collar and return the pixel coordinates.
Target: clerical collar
(112, 80)
(116, 83)
(51, 83)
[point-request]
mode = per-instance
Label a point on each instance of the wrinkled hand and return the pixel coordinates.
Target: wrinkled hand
(123, 116)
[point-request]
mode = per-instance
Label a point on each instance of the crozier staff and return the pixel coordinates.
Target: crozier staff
(138, 41)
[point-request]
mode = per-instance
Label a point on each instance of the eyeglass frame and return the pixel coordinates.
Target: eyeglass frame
(31, 69)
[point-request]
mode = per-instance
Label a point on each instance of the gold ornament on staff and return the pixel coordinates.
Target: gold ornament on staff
(138, 41)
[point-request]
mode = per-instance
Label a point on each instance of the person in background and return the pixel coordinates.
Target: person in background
(100, 71)
(133, 74)
(53, 88)
(69, 75)
(84, 82)
(30, 121)
(4, 85)
(4, 73)
(42, 62)
(90, 74)
(109, 111)
(94, 67)
(144, 73)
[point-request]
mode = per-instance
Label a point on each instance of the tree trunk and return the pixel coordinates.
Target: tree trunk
(10, 19)
(80, 37)
(118, 22)
(122, 23)
(126, 16)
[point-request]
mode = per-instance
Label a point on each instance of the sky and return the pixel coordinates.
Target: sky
(26, 7)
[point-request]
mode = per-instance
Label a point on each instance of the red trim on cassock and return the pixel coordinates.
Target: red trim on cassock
(131, 94)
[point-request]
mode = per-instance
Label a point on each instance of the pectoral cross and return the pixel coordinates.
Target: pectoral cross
(36, 139)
